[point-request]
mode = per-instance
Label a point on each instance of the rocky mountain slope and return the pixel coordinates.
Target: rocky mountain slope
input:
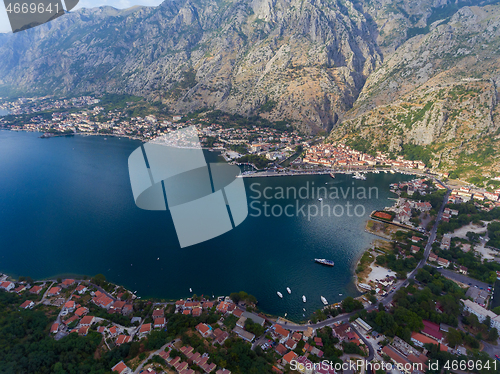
(302, 60)
(436, 98)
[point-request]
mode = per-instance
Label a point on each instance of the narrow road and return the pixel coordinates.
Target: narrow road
(371, 351)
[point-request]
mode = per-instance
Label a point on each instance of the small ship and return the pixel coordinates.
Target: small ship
(322, 261)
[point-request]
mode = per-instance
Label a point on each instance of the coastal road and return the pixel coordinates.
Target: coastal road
(389, 297)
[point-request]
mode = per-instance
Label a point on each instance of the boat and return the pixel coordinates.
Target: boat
(280, 294)
(324, 300)
(358, 175)
(289, 290)
(392, 171)
(320, 199)
(322, 261)
(332, 175)
(340, 294)
(304, 309)
(304, 298)
(190, 290)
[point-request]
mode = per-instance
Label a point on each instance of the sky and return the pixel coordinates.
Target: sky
(120, 4)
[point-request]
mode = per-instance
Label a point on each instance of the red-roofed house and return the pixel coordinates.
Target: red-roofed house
(121, 368)
(54, 328)
(127, 309)
(420, 340)
(122, 339)
(145, 329)
(87, 321)
(220, 336)
(397, 358)
(158, 313)
(280, 348)
(7, 286)
(443, 262)
(28, 304)
(36, 289)
(204, 330)
(81, 311)
(118, 305)
(238, 312)
(55, 291)
(69, 320)
(103, 301)
(113, 331)
(81, 289)
(20, 289)
(83, 331)
(159, 323)
(70, 305)
(289, 357)
(290, 344)
(281, 332)
(431, 329)
(68, 282)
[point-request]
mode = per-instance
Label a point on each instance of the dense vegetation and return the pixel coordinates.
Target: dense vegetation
(25, 345)
(414, 304)
(468, 213)
(260, 162)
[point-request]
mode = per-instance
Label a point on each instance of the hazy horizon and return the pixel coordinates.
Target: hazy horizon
(119, 4)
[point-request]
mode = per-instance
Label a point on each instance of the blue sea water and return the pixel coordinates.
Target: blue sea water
(66, 207)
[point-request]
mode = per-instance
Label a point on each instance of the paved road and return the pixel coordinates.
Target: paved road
(462, 278)
(371, 351)
(388, 298)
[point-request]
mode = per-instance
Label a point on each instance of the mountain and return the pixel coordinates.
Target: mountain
(436, 98)
(299, 60)
(413, 78)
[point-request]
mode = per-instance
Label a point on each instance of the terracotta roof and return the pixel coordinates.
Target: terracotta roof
(145, 328)
(280, 330)
(87, 320)
(290, 356)
(281, 349)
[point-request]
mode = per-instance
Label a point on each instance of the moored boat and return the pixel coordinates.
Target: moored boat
(324, 300)
(289, 290)
(304, 298)
(280, 294)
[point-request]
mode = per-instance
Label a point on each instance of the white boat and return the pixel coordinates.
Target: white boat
(392, 171)
(190, 290)
(320, 199)
(280, 294)
(324, 300)
(304, 298)
(358, 175)
(340, 294)
(289, 290)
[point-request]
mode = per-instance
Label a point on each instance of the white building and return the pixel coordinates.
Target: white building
(482, 313)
